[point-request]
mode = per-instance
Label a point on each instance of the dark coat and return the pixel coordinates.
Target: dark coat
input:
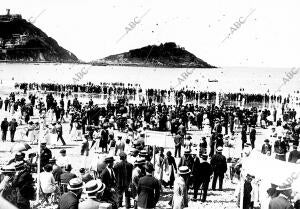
(123, 172)
(148, 192)
(186, 162)
(66, 177)
(280, 202)
(196, 168)
(294, 156)
(265, 148)
(68, 201)
(205, 171)
(107, 179)
(218, 163)
(46, 155)
(4, 125)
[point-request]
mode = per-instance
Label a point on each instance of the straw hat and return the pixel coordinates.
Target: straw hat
(75, 184)
(219, 149)
(284, 187)
(8, 169)
(94, 186)
(183, 170)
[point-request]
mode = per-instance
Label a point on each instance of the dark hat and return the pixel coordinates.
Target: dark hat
(75, 184)
(149, 167)
(82, 170)
(62, 151)
(8, 169)
(189, 137)
(119, 137)
(19, 156)
(122, 154)
(94, 186)
(68, 167)
(109, 159)
(250, 176)
(266, 140)
(183, 170)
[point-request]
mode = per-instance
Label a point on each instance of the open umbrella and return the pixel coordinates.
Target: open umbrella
(19, 147)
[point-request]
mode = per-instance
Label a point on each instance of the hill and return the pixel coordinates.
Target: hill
(164, 55)
(22, 41)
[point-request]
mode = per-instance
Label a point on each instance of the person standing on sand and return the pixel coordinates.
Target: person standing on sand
(4, 128)
(12, 128)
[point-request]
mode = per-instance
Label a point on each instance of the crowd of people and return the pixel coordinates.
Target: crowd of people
(153, 95)
(130, 167)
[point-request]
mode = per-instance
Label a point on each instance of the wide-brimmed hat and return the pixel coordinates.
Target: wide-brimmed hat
(8, 169)
(140, 161)
(189, 137)
(183, 170)
(284, 187)
(75, 184)
(266, 140)
(94, 186)
(109, 159)
(219, 149)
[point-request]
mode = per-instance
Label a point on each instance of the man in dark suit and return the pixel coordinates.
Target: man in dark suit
(178, 143)
(108, 177)
(282, 200)
(148, 189)
(204, 177)
(187, 160)
(266, 147)
(70, 200)
(123, 172)
(12, 128)
(219, 166)
(67, 175)
(294, 155)
(195, 173)
(4, 128)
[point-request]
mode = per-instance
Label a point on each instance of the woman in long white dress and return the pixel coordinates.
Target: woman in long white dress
(180, 195)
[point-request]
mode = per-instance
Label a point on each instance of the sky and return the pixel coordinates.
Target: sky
(262, 33)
